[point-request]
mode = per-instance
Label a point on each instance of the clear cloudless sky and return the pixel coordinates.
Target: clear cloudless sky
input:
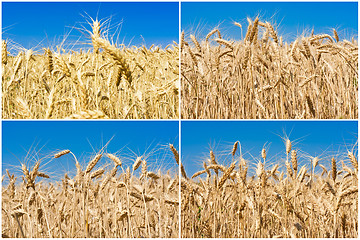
(29, 23)
(292, 18)
(310, 138)
(85, 139)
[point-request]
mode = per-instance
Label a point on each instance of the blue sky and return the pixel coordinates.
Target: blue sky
(85, 139)
(311, 138)
(291, 17)
(31, 23)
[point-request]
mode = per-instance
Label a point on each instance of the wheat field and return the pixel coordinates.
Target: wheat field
(263, 77)
(288, 200)
(97, 200)
(105, 81)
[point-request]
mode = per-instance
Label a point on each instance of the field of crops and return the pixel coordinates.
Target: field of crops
(316, 199)
(107, 81)
(264, 77)
(261, 73)
(98, 200)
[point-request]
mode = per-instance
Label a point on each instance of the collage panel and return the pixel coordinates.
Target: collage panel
(90, 179)
(100, 60)
(269, 60)
(265, 179)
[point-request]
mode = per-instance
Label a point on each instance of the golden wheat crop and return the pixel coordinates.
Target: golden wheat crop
(99, 200)
(262, 76)
(109, 82)
(278, 200)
